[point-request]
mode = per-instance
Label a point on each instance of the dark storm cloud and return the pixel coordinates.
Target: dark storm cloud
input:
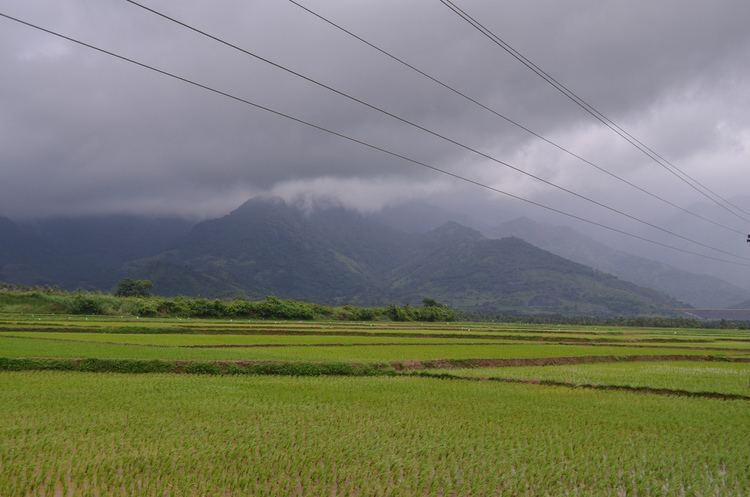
(80, 132)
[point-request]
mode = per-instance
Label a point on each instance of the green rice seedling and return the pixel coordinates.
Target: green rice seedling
(29, 347)
(196, 435)
(704, 376)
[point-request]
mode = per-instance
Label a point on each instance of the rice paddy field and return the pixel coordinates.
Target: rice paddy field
(166, 407)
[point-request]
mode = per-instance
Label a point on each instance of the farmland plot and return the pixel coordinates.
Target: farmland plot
(123, 435)
(251, 412)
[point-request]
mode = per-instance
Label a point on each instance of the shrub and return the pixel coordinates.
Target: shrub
(134, 288)
(275, 308)
(242, 308)
(36, 300)
(397, 313)
(205, 308)
(146, 308)
(85, 304)
(178, 306)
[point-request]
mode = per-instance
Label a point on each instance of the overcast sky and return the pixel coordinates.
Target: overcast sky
(83, 133)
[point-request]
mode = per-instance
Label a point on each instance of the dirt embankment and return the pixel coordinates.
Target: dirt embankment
(551, 361)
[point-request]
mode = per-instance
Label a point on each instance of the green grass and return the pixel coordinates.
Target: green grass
(194, 340)
(30, 347)
(473, 326)
(125, 435)
(718, 377)
(331, 337)
(228, 332)
(336, 420)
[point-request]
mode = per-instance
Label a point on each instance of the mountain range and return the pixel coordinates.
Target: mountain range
(698, 290)
(334, 255)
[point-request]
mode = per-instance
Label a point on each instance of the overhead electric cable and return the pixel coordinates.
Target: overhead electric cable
(510, 120)
(427, 130)
(362, 142)
(674, 170)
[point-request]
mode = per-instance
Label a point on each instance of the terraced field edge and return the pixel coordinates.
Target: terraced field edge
(592, 386)
(314, 368)
(196, 367)
(554, 361)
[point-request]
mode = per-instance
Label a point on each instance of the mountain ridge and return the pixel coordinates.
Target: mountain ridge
(695, 289)
(337, 256)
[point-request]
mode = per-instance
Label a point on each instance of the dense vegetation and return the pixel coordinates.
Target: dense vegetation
(44, 301)
(52, 300)
(134, 288)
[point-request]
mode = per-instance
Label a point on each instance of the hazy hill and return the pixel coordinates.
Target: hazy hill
(696, 289)
(460, 266)
(266, 247)
(24, 258)
(332, 255)
(741, 305)
(91, 250)
(335, 255)
(112, 237)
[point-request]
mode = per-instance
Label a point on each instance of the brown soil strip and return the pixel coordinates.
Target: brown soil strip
(594, 386)
(552, 361)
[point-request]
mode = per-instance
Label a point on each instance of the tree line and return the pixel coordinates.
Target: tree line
(133, 298)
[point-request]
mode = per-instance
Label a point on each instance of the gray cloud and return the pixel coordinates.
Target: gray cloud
(81, 133)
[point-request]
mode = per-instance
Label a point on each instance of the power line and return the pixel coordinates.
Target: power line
(592, 110)
(427, 130)
(362, 142)
(680, 174)
(510, 120)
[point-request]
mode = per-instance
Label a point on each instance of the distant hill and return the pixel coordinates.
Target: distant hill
(741, 305)
(112, 237)
(695, 289)
(333, 255)
(266, 247)
(336, 256)
(24, 258)
(460, 266)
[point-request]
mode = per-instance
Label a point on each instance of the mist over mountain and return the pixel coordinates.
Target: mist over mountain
(88, 135)
(734, 242)
(742, 305)
(459, 265)
(698, 290)
(328, 254)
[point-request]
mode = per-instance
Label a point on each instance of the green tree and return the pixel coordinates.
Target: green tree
(428, 302)
(134, 288)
